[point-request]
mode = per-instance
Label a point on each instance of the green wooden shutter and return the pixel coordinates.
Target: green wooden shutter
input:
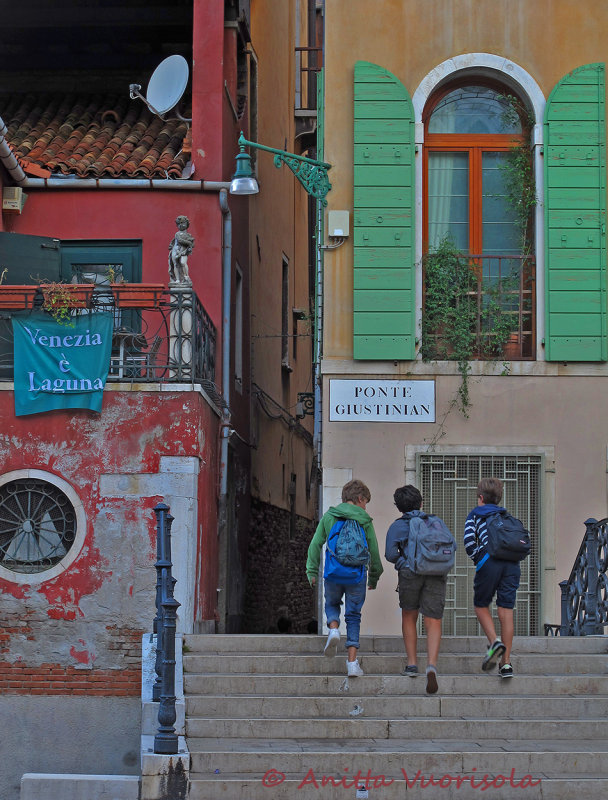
(383, 222)
(575, 217)
(29, 259)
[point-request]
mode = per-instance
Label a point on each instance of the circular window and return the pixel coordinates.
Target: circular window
(38, 525)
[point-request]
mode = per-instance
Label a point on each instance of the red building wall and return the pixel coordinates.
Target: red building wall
(80, 632)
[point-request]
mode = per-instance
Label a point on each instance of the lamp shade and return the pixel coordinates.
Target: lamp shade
(243, 180)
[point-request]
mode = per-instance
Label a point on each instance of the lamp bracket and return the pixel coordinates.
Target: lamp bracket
(307, 401)
(312, 174)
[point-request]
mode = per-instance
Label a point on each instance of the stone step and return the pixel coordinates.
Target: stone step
(395, 707)
(470, 728)
(550, 719)
(296, 758)
(546, 788)
(313, 644)
(479, 684)
(453, 663)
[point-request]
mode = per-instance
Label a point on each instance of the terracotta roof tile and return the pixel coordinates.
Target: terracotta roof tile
(93, 136)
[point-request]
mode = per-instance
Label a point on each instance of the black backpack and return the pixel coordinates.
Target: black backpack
(508, 540)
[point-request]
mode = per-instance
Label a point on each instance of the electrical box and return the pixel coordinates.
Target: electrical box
(13, 199)
(337, 223)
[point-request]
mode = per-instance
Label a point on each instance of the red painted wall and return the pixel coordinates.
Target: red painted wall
(133, 214)
(89, 616)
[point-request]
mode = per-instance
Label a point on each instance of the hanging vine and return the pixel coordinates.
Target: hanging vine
(518, 171)
(462, 319)
(460, 322)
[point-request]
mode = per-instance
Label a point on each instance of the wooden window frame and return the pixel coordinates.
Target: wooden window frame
(475, 145)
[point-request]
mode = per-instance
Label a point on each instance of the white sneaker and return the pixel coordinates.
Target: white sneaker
(354, 669)
(331, 645)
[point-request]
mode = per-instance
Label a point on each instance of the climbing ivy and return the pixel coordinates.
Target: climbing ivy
(460, 324)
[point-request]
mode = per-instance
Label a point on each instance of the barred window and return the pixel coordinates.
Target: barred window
(449, 487)
(37, 525)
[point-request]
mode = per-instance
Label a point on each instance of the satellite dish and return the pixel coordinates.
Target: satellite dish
(168, 84)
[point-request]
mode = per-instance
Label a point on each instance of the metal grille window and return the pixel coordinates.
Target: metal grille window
(37, 525)
(449, 487)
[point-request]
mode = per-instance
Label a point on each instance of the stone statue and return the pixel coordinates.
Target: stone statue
(180, 248)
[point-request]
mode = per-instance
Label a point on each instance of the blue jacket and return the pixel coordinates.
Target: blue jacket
(397, 537)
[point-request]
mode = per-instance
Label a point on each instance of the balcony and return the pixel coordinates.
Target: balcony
(309, 61)
(508, 282)
(493, 302)
(160, 335)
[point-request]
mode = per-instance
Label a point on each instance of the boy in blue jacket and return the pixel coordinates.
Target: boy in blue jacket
(492, 577)
(417, 593)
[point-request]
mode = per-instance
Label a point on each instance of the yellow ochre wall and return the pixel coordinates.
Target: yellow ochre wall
(561, 408)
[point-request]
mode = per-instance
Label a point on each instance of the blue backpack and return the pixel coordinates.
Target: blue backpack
(431, 548)
(347, 553)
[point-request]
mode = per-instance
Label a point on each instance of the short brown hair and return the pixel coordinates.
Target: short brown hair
(355, 489)
(490, 489)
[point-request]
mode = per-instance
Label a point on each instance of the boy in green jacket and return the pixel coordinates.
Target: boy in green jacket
(352, 584)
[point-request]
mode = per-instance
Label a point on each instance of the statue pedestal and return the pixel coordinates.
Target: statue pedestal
(181, 331)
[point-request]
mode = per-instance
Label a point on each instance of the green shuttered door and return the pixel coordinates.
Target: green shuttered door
(384, 273)
(575, 217)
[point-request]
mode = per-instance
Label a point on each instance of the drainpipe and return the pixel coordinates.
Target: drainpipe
(318, 415)
(225, 429)
(8, 159)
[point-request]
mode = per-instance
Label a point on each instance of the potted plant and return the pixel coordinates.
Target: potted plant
(60, 299)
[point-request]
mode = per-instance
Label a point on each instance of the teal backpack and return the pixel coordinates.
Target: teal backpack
(347, 554)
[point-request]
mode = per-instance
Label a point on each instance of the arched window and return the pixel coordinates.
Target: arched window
(474, 176)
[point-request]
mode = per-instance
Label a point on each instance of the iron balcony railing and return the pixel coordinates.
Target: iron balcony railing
(169, 338)
(309, 61)
(499, 293)
(506, 282)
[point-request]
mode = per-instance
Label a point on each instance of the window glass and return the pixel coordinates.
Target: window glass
(448, 199)
(474, 109)
(500, 231)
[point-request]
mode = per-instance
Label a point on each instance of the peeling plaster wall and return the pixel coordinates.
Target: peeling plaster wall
(144, 447)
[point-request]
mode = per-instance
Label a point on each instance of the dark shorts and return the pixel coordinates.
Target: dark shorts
(500, 578)
(422, 592)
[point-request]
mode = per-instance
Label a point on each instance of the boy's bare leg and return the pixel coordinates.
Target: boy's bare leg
(487, 623)
(505, 616)
(433, 639)
(410, 635)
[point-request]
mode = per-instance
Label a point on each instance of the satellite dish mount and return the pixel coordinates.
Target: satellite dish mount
(165, 88)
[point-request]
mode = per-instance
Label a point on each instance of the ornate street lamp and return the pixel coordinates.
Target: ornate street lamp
(312, 174)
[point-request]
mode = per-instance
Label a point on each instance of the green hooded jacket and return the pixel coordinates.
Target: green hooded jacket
(344, 511)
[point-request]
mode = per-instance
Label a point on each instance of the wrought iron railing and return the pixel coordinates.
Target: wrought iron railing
(584, 601)
(507, 281)
(170, 339)
(165, 623)
(308, 64)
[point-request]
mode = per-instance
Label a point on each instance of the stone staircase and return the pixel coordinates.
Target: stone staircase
(270, 717)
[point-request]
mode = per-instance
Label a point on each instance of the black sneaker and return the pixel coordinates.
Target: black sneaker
(494, 653)
(506, 671)
(411, 670)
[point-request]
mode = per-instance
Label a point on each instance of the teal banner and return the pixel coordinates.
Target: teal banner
(61, 366)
